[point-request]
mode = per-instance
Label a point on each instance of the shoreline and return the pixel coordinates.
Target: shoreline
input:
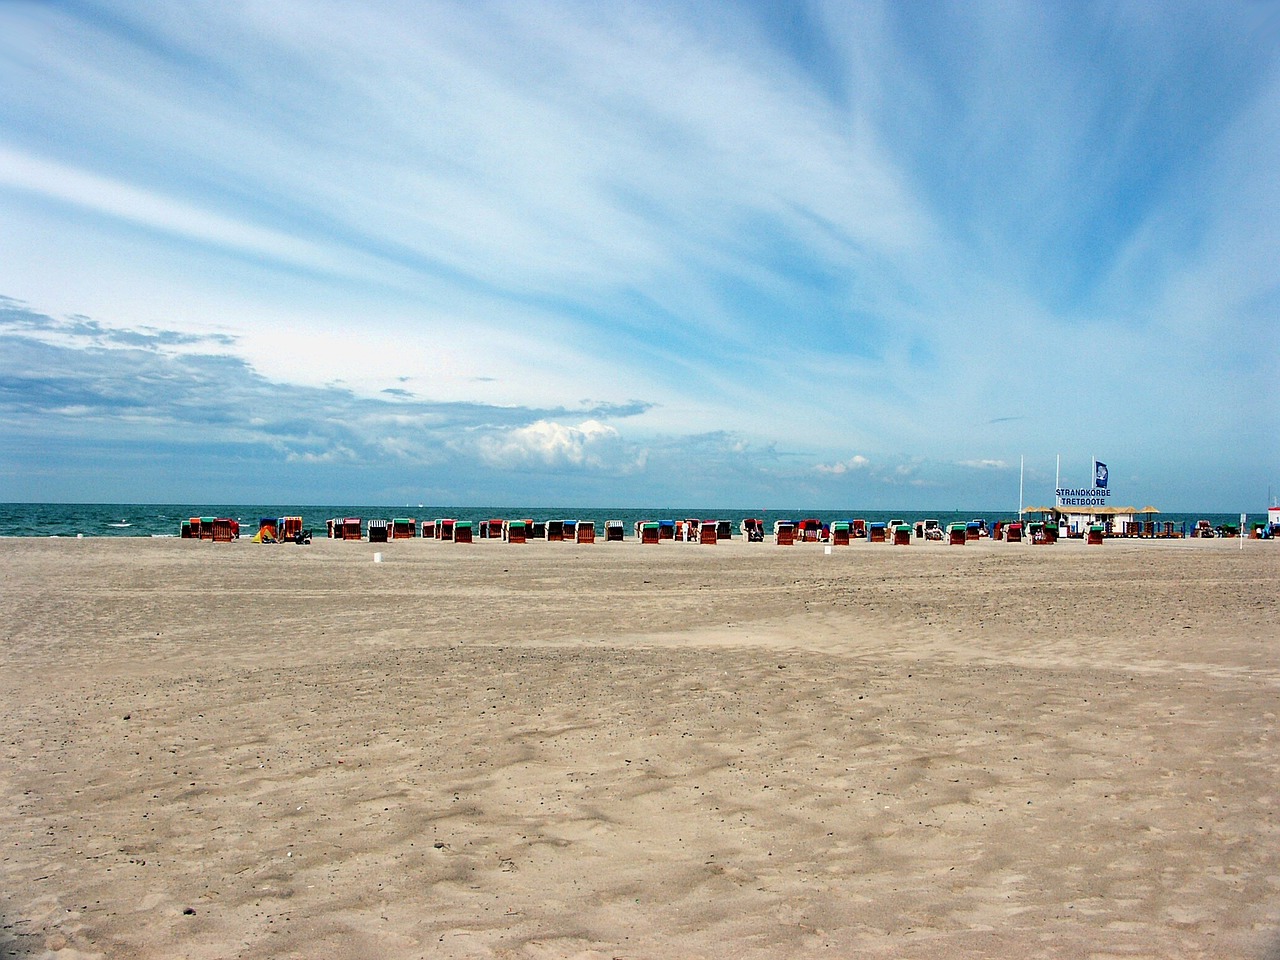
(144, 520)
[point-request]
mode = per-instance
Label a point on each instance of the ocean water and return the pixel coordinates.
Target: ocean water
(165, 519)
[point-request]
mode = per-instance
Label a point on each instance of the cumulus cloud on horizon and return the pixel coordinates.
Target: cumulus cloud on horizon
(857, 462)
(549, 444)
(78, 377)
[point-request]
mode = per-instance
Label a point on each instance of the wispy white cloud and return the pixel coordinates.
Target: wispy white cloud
(116, 198)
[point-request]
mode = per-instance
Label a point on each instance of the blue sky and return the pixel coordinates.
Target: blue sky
(753, 254)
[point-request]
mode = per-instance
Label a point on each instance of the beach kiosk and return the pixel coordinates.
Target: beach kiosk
(585, 532)
(957, 534)
(614, 531)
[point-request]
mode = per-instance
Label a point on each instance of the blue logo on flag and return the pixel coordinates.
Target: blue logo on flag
(1099, 473)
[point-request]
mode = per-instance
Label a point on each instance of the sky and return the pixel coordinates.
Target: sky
(759, 254)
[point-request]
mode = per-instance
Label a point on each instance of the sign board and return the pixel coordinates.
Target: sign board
(1095, 496)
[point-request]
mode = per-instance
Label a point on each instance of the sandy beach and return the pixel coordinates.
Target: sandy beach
(616, 750)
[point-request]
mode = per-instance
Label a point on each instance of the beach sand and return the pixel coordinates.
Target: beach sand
(550, 750)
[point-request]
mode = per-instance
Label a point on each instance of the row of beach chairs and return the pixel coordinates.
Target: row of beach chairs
(217, 529)
(785, 532)
(467, 531)
(684, 531)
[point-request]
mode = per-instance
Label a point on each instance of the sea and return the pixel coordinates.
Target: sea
(165, 519)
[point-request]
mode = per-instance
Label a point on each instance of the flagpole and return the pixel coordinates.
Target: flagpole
(1022, 463)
